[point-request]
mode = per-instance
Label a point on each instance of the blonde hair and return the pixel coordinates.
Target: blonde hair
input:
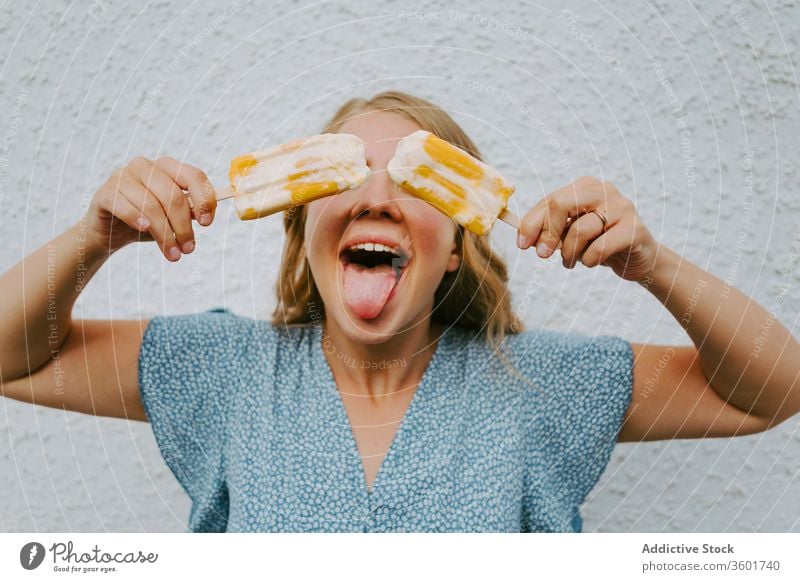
(474, 296)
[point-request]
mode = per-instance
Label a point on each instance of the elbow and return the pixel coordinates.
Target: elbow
(778, 418)
(9, 374)
(790, 405)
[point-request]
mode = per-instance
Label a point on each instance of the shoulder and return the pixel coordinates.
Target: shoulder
(210, 341)
(542, 347)
(218, 327)
(209, 326)
(192, 357)
(564, 344)
(555, 352)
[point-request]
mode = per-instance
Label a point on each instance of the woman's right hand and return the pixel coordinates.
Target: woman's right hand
(145, 201)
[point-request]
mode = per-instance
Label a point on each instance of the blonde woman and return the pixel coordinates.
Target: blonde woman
(425, 409)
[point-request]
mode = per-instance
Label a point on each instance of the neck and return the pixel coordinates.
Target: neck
(380, 370)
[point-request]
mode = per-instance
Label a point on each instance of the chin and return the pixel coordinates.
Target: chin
(361, 335)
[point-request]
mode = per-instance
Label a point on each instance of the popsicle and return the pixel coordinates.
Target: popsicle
(471, 192)
(268, 181)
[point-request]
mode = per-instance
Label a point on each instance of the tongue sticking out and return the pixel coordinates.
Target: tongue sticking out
(367, 290)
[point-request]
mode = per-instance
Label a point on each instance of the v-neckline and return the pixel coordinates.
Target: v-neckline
(354, 456)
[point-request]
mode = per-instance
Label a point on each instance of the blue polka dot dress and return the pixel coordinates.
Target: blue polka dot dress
(248, 418)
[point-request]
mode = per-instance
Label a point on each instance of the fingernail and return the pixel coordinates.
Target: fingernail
(143, 223)
(188, 247)
(204, 219)
(522, 242)
(174, 254)
(542, 250)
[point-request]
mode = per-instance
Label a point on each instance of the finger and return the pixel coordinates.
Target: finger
(570, 203)
(159, 228)
(530, 225)
(579, 233)
(617, 238)
(195, 181)
(544, 225)
(132, 216)
(174, 202)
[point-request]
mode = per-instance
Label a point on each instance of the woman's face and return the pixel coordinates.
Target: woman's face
(372, 295)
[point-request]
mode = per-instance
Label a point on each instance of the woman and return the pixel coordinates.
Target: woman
(426, 409)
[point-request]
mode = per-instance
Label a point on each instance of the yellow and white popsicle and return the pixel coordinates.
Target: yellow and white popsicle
(471, 192)
(295, 173)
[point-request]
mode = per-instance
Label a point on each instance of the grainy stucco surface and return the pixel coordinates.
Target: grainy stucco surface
(691, 109)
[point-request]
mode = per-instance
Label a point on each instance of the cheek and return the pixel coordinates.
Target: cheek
(434, 216)
(314, 226)
(313, 216)
(318, 227)
(435, 233)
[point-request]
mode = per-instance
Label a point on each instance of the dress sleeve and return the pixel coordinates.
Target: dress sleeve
(589, 410)
(186, 371)
(581, 389)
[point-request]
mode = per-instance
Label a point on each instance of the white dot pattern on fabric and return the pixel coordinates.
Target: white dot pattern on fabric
(248, 418)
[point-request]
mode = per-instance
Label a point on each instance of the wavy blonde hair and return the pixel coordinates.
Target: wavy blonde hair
(474, 296)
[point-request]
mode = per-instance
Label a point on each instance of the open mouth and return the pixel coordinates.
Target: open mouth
(371, 255)
(372, 272)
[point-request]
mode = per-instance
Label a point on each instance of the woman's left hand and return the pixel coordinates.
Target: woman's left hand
(567, 216)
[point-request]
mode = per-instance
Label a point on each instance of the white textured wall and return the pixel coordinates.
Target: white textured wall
(547, 95)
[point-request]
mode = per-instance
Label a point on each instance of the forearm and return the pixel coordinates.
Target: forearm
(749, 358)
(38, 295)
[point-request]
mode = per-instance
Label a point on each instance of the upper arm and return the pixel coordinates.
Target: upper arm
(95, 371)
(672, 399)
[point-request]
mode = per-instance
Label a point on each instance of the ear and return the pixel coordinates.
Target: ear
(455, 259)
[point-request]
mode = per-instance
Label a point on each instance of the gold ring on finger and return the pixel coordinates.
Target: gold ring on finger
(602, 217)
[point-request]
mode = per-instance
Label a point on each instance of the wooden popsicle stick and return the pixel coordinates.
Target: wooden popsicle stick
(509, 218)
(222, 194)
(225, 192)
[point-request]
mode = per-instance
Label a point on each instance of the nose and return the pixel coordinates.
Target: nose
(376, 198)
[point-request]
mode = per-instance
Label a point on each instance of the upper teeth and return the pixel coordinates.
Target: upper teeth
(377, 247)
